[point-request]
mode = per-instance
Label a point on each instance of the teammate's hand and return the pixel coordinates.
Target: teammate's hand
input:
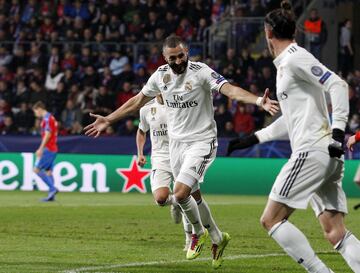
(269, 105)
(350, 143)
(39, 153)
(99, 125)
(141, 160)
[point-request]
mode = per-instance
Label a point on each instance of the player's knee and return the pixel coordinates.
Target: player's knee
(180, 196)
(266, 222)
(161, 200)
(334, 235)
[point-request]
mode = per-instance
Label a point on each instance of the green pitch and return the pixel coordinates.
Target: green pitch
(128, 233)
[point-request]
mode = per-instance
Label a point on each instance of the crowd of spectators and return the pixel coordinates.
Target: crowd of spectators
(67, 54)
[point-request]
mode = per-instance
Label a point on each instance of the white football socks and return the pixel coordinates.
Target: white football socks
(295, 244)
(190, 209)
(187, 227)
(349, 248)
(208, 222)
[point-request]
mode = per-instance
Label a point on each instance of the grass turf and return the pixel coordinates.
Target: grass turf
(111, 232)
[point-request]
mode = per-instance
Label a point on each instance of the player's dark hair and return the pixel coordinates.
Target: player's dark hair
(282, 21)
(39, 104)
(174, 41)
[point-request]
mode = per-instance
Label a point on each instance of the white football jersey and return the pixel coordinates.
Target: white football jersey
(300, 84)
(153, 120)
(188, 100)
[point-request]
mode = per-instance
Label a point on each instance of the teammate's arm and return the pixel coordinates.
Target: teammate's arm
(353, 140)
(239, 94)
(43, 143)
(141, 137)
(275, 131)
(101, 123)
(140, 142)
(311, 70)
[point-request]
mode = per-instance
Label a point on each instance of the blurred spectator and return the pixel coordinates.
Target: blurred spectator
(117, 63)
(56, 102)
(155, 59)
(53, 77)
(125, 94)
(128, 129)
(228, 130)
(37, 93)
(70, 115)
(315, 33)
(222, 115)
(230, 58)
(354, 124)
(24, 119)
(243, 121)
(104, 101)
(8, 127)
(346, 51)
(185, 30)
(255, 9)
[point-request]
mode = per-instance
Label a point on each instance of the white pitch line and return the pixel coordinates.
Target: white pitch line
(135, 264)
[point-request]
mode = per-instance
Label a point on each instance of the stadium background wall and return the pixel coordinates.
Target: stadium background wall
(119, 173)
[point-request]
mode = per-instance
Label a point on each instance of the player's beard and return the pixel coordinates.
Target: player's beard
(179, 68)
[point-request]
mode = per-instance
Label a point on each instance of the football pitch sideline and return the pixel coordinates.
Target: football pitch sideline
(113, 232)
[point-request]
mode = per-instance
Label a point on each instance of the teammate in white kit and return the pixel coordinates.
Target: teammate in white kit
(316, 167)
(186, 88)
(153, 120)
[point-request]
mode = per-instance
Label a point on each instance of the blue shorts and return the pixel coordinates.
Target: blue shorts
(46, 162)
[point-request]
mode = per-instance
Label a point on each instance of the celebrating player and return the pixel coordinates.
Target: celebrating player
(153, 119)
(351, 142)
(315, 169)
(46, 153)
(186, 88)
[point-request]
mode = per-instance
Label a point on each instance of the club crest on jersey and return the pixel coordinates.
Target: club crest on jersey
(166, 78)
(317, 71)
(188, 86)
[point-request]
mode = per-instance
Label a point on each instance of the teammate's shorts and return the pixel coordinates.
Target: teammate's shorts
(160, 179)
(47, 160)
(311, 177)
(192, 159)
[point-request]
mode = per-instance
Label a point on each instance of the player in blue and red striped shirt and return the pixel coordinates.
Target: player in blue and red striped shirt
(46, 153)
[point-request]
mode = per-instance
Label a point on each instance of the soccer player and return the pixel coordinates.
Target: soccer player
(315, 169)
(153, 119)
(46, 153)
(351, 142)
(186, 88)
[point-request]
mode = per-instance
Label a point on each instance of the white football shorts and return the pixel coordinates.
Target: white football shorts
(192, 159)
(311, 177)
(161, 178)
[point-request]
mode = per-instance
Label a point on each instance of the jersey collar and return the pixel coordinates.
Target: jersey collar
(278, 59)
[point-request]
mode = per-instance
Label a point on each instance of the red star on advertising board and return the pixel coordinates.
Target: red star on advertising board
(134, 177)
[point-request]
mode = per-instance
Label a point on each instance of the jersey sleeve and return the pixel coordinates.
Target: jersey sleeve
(151, 88)
(212, 79)
(275, 131)
(143, 125)
(311, 70)
(48, 127)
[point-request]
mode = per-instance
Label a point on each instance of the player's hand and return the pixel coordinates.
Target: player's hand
(141, 160)
(39, 153)
(99, 125)
(336, 147)
(350, 143)
(269, 105)
(241, 143)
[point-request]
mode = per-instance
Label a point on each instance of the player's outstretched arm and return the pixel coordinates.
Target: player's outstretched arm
(239, 94)
(275, 131)
(101, 123)
(140, 142)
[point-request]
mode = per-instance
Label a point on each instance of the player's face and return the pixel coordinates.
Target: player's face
(177, 58)
(268, 35)
(37, 112)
